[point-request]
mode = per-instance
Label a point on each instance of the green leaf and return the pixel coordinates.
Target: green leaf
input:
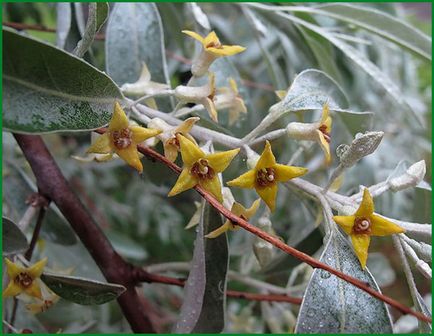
(42, 93)
(356, 122)
(14, 241)
(82, 291)
(380, 23)
(17, 187)
(331, 305)
(203, 309)
(98, 12)
(126, 246)
(135, 35)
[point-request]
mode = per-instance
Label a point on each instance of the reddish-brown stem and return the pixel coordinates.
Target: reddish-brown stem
(278, 243)
(52, 185)
(143, 276)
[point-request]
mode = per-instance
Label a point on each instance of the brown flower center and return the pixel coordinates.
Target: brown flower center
(214, 44)
(23, 279)
(362, 225)
(323, 130)
(123, 138)
(202, 170)
(265, 177)
(174, 141)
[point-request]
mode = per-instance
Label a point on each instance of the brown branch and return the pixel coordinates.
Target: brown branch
(144, 276)
(148, 152)
(36, 200)
(53, 185)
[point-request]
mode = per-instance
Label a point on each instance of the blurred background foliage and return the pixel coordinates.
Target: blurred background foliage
(147, 228)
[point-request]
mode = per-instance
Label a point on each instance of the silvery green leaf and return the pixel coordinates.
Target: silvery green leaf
(135, 35)
(310, 90)
(63, 10)
(126, 247)
(381, 269)
(203, 309)
(14, 241)
(378, 22)
(82, 291)
(199, 15)
(17, 187)
(40, 94)
(331, 305)
(356, 122)
(97, 15)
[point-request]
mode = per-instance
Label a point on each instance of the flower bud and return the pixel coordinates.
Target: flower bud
(412, 176)
(361, 146)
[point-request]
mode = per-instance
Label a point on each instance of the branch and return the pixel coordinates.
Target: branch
(143, 276)
(148, 152)
(53, 185)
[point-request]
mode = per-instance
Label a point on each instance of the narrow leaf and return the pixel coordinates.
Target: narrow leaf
(203, 309)
(41, 93)
(82, 291)
(64, 13)
(14, 241)
(331, 305)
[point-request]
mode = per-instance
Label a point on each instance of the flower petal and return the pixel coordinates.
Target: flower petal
(267, 158)
(345, 222)
(119, 119)
(382, 227)
(190, 152)
(247, 180)
(211, 38)
(233, 85)
(13, 269)
(210, 107)
(250, 212)
(325, 113)
(102, 145)
(145, 76)
(238, 209)
(225, 50)
(366, 207)
(213, 186)
(186, 126)
(325, 146)
(220, 161)
(268, 195)
(194, 35)
(361, 245)
(222, 229)
(34, 290)
(12, 290)
(35, 270)
(170, 151)
(140, 134)
(131, 156)
(184, 182)
(285, 173)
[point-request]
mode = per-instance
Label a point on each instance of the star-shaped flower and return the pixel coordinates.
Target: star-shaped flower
(318, 131)
(240, 211)
(364, 224)
(24, 279)
(212, 49)
(123, 138)
(200, 168)
(265, 176)
(229, 98)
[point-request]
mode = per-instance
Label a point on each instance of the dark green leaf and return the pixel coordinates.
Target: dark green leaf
(41, 92)
(203, 309)
(14, 241)
(331, 305)
(82, 291)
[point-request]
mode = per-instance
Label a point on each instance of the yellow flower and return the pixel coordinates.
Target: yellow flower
(199, 95)
(200, 168)
(364, 224)
(318, 131)
(122, 138)
(229, 98)
(212, 49)
(24, 279)
(240, 211)
(265, 176)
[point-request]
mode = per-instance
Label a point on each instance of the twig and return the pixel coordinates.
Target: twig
(42, 204)
(53, 185)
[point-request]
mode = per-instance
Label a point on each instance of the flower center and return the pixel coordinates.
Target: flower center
(265, 177)
(362, 225)
(23, 279)
(202, 170)
(323, 130)
(122, 139)
(173, 141)
(214, 44)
